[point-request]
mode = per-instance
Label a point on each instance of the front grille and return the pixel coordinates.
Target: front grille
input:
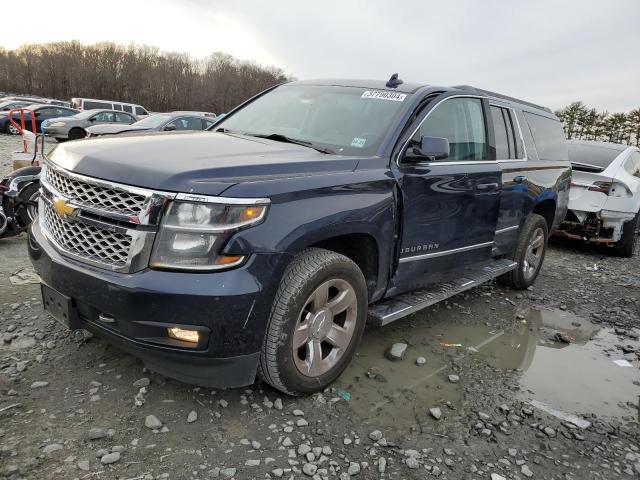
(101, 197)
(87, 241)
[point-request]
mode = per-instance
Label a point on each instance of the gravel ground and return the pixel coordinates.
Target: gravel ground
(72, 406)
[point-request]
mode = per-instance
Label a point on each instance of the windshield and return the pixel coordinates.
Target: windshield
(86, 114)
(347, 120)
(153, 121)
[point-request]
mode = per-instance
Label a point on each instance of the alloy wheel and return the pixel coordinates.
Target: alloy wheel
(325, 327)
(534, 253)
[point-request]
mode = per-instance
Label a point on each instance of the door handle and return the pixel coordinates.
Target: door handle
(487, 186)
(519, 179)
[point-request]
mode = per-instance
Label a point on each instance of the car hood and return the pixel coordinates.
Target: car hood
(110, 129)
(206, 163)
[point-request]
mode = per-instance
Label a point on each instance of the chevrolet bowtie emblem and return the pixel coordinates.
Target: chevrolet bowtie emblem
(62, 208)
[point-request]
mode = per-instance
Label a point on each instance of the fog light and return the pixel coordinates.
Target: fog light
(183, 334)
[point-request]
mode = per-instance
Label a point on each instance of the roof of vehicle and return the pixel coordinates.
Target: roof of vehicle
(105, 101)
(620, 147)
(373, 84)
(37, 106)
(598, 154)
(412, 87)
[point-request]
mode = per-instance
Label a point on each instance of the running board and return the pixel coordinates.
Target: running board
(387, 311)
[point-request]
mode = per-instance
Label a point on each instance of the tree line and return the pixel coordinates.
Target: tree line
(583, 123)
(160, 81)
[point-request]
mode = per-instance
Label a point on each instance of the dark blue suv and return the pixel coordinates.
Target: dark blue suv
(265, 245)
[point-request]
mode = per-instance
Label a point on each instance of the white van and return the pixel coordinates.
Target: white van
(93, 104)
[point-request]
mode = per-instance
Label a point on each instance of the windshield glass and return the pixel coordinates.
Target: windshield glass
(86, 114)
(153, 121)
(347, 120)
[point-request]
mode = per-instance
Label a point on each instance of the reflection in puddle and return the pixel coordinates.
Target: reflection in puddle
(579, 377)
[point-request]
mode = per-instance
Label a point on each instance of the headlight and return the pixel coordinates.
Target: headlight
(192, 235)
(56, 124)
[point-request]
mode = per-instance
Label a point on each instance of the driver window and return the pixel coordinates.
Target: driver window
(104, 117)
(461, 121)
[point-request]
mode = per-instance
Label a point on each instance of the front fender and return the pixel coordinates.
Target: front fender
(298, 220)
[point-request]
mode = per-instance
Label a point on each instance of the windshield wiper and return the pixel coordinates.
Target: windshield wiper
(283, 138)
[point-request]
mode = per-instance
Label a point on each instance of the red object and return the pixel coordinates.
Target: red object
(22, 125)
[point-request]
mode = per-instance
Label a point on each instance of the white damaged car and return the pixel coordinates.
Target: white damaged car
(604, 202)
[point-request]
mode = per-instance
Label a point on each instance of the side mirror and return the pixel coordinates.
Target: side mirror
(92, 119)
(169, 128)
(430, 148)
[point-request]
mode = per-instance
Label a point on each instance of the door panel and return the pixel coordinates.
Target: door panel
(450, 207)
(448, 222)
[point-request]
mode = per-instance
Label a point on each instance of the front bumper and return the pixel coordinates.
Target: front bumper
(232, 308)
(56, 132)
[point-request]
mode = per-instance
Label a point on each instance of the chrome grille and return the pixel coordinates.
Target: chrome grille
(98, 196)
(96, 244)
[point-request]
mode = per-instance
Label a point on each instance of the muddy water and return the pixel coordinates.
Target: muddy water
(577, 378)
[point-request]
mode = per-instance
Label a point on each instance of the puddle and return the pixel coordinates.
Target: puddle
(577, 378)
(581, 377)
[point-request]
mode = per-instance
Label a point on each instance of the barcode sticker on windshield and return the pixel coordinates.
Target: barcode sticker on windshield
(379, 95)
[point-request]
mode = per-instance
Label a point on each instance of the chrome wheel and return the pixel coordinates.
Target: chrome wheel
(534, 253)
(13, 130)
(325, 327)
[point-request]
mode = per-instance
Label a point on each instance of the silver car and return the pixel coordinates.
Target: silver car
(74, 127)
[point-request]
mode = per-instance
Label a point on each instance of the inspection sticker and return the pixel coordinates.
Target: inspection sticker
(379, 95)
(358, 142)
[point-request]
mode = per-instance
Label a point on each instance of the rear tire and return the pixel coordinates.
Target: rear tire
(529, 253)
(316, 322)
(77, 134)
(628, 244)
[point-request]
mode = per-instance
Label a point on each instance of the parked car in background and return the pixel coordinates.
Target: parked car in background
(190, 112)
(74, 127)
(5, 106)
(266, 244)
(604, 203)
(160, 122)
(93, 104)
(42, 112)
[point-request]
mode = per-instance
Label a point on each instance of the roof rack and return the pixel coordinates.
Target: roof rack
(499, 95)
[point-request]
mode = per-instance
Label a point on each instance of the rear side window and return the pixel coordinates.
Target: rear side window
(124, 118)
(127, 108)
(548, 137)
(508, 143)
(117, 106)
(461, 121)
(89, 105)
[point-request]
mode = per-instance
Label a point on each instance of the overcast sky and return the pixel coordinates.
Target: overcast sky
(548, 52)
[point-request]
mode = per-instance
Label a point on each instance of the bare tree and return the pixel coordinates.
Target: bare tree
(142, 74)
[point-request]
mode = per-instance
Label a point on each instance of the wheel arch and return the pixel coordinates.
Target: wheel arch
(546, 208)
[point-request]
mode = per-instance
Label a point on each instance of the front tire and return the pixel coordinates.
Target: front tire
(529, 253)
(316, 322)
(77, 134)
(628, 244)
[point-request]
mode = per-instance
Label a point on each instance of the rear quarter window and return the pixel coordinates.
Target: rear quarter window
(548, 137)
